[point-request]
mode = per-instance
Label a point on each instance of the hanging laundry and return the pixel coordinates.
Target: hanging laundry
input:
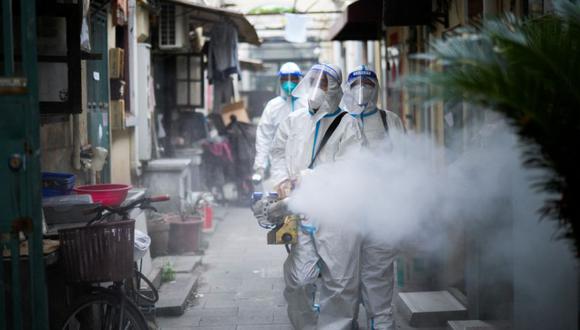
(223, 52)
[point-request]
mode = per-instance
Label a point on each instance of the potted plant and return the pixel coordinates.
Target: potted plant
(528, 70)
(158, 230)
(185, 227)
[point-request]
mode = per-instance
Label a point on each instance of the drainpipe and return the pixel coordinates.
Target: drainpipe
(76, 154)
(76, 123)
(383, 44)
(365, 54)
(338, 59)
(370, 50)
(133, 92)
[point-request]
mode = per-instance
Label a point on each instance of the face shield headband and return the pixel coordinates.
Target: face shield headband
(361, 91)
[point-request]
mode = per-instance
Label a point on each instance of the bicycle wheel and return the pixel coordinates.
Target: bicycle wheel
(103, 311)
(149, 294)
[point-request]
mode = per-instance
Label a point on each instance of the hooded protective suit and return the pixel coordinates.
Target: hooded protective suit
(276, 110)
(377, 256)
(322, 248)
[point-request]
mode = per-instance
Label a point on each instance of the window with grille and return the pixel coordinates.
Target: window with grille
(167, 25)
(189, 81)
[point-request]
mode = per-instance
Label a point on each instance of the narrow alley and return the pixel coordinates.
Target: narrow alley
(241, 284)
(417, 155)
(241, 287)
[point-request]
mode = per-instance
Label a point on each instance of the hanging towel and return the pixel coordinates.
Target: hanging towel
(223, 52)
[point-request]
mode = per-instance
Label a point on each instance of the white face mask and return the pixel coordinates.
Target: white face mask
(316, 99)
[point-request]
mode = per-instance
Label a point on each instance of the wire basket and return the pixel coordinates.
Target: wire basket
(98, 253)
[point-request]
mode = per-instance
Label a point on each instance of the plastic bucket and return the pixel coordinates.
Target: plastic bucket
(158, 230)
(106, 194)
(56, 184)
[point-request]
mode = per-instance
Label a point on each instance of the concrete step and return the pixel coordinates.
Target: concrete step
(430, 308)
(180, 264)
(155, 276)
(470, 325)
(174, 296)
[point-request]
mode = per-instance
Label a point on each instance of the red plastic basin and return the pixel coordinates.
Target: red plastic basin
(106, 194)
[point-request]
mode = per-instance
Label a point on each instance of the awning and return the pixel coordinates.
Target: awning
(364, 19)
(246, 31)
(360, 21)
(408, 12)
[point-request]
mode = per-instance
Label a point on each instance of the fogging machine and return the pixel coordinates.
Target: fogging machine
(272, 213)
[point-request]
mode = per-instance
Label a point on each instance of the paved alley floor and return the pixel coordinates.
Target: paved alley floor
(241, 285)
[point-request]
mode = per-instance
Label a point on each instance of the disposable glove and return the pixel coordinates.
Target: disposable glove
(258, 175)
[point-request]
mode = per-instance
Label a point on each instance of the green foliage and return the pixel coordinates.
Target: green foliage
(530, 71)
(167, 273)
(270, 10)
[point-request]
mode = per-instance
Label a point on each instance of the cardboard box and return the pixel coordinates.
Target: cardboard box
(118, 114)
(116, 63)
(237, 109)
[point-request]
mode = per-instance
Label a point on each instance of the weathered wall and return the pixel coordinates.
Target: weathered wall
(121, 156)
(121, 139)
(57, 139)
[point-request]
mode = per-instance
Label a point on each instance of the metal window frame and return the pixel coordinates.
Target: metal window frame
(190, 80)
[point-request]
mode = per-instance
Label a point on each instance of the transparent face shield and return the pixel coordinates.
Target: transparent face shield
(360, 94)
(288, 83)
(315, 87)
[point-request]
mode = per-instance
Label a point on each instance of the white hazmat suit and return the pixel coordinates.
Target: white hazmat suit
(331, 251)
(377, 256)
(276, 110)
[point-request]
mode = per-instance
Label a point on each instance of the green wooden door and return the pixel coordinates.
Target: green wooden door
(98, 88)
(20, 186)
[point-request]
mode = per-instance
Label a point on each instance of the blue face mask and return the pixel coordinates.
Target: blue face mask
(288, 86)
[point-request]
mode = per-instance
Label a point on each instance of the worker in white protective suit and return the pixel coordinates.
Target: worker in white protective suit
(276, 110)
(317, 134)
(379, 128)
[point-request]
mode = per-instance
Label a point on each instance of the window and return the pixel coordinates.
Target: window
(167, 25)
(59, 55)
(189, 85)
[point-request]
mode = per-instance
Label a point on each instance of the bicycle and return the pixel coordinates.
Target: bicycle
(119, 305)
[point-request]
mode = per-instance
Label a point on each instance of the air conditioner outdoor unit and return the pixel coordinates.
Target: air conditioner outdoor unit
(171, 27)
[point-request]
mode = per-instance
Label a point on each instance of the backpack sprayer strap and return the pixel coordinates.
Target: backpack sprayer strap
(327, 136)
(384, 120)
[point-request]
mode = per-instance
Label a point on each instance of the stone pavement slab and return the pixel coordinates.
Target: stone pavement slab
(225, 327)
(241, 283)
(470, 325)
(173, 296)
(265, 327)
